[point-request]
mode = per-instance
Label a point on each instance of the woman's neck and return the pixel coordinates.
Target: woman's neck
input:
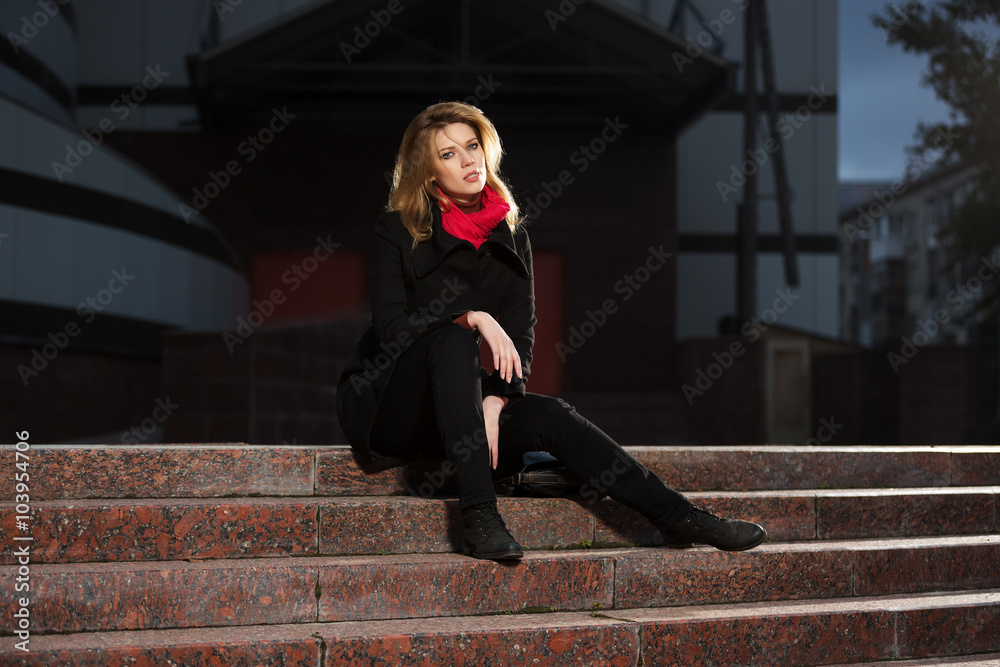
(469, 206)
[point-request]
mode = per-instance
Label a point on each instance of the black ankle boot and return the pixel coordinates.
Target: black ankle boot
(486, 535)
(699, 526)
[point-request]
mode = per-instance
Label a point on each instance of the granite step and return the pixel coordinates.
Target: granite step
(201, 471)
(93, 597)
(824, 632)
(836, 631)
(982, 660)
(206, 528)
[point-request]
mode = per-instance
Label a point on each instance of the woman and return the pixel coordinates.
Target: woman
(450, 267)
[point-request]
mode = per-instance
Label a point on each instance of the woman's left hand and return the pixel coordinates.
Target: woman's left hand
(505, 356)
(492, 406)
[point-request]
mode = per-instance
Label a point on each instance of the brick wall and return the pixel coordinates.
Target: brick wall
(861, 393)
(948, 395)
(930, 397)
(76, 395)
(279, 385)
(731, 409)
(943, 395)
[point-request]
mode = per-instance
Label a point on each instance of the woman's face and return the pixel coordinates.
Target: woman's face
(459, 165)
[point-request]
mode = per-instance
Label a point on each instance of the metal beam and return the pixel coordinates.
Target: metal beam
(389, 86)
(470, 67)
(784, 194)
(747, 275)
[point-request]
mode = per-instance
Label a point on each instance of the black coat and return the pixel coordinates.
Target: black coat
(415, 292)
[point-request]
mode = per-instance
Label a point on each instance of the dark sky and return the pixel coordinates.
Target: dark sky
(881, 97)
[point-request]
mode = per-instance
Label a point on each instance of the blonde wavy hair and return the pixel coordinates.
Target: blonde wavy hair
(413, 192)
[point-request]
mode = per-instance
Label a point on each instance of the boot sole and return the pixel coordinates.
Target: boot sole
(502, 555)
(690, 545)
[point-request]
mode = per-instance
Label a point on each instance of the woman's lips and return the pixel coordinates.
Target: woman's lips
(473, 177)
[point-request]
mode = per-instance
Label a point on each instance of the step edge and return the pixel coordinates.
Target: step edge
(559, 619)
(408, 559)
(883, 492)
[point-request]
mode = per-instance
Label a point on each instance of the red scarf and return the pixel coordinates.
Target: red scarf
(474, 227)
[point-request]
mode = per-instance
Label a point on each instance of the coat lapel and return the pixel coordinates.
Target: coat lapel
(502, 237)
(428, 255)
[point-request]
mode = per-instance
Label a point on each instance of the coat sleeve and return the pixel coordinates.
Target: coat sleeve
(517, 318)
(396, 329)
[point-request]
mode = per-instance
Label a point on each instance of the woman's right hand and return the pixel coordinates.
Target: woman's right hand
(505, 356)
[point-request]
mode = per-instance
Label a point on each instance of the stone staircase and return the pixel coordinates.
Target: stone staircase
(255, 555)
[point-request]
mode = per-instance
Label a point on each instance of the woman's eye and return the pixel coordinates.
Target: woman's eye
(473, 146)
(445, 156)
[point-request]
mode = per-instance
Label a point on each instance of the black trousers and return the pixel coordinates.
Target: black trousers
(434, 402)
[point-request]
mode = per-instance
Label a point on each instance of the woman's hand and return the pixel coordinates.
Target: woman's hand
(505, 356)
(492, 405)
